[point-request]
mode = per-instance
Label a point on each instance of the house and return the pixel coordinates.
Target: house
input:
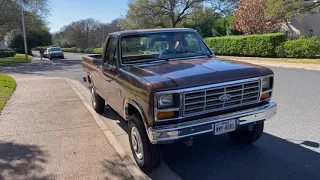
(307, 26)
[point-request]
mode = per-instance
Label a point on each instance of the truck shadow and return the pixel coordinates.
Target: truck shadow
(21, 161)
(110, 114)
(217, 157)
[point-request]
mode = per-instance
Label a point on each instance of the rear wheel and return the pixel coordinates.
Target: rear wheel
(247, 135)
(98, 102)
(147, 155)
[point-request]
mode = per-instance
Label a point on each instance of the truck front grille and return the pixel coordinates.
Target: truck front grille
(208, 100)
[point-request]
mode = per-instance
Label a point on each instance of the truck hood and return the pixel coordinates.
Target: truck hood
(178, 74)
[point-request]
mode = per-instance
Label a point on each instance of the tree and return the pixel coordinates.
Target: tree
(224, 27)
(290, 8)
(202, 20)
(225, 7)
(80, 32)
(85, 33)
(100, 34)
(35, 37)
(250, 17)
(158, 13)
(10, 18)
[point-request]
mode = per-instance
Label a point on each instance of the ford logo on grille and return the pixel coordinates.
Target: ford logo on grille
(225, 97)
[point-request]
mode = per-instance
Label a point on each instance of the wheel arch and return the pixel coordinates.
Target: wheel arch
(132, 107)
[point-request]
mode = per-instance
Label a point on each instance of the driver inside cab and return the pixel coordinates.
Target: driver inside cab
(175, 44)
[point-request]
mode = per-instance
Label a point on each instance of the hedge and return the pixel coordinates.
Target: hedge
(302, 47)
(265, 45)
(79, 50)
(7, 53)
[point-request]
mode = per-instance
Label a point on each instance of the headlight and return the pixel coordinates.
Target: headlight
(266, 84)
(165, 100)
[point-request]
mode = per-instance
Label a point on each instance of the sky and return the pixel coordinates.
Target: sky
(64, 12)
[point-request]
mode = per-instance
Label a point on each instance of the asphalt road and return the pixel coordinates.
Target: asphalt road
(289, 148)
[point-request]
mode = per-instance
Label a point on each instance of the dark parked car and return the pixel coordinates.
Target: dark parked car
(54, 52)
(169, 86)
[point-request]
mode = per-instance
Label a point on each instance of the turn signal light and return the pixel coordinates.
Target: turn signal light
(164, 115)
(265, 95)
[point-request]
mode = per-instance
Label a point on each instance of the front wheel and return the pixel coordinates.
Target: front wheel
(146, 155)
(247, 135)
(98, 102)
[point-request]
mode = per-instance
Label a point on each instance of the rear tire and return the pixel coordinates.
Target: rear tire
(98, 102)
(146, 154)
(246, 135)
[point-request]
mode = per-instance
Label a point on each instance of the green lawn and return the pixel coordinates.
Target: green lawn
(18, 58)
(289, 60)
(7, 86)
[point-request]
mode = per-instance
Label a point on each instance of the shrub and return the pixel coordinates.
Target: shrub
(7, 53)
(302, 47)
(264, 45)
(73, 49)
(96, 51)
(280, 50)
(88, 50)
(79, 50)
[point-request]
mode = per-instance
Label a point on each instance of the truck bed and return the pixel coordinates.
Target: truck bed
(91, 62)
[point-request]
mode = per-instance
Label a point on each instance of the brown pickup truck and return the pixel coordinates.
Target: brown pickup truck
(169, 86)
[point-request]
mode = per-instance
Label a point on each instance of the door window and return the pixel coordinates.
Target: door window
(111, 51)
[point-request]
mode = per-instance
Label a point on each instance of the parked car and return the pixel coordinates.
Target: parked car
(53, 52)
(169, 86)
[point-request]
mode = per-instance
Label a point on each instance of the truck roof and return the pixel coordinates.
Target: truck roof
(141, 31)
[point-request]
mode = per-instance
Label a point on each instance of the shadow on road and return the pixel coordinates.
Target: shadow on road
(217, 157)
(41, 66)
(114, 170)
(112, 115)
(20, 161)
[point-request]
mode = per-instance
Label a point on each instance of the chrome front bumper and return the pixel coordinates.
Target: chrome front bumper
(169, 133)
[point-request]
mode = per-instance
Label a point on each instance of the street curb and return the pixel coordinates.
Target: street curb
(314, 67)
(132, 167)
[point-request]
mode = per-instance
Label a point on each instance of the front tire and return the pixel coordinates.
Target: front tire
(247, 135)
(146, 155)
(98, 102)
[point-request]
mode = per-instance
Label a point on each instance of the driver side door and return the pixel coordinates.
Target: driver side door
(109, 72)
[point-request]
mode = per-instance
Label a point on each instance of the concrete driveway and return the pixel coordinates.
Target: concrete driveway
(289, 148)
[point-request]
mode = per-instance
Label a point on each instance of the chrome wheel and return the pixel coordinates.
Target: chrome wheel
(136, 143)
(93, 97)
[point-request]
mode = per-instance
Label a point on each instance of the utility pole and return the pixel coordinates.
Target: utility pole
(24, 30)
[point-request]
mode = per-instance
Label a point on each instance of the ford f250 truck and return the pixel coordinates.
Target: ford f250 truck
(169, 86)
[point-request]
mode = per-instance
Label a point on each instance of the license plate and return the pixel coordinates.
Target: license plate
(224, 127)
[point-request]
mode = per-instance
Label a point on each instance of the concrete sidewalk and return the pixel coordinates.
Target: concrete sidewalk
(118, 128)
(46, 132)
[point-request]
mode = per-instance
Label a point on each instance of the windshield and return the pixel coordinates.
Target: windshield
(160, 46)
(54, 49)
